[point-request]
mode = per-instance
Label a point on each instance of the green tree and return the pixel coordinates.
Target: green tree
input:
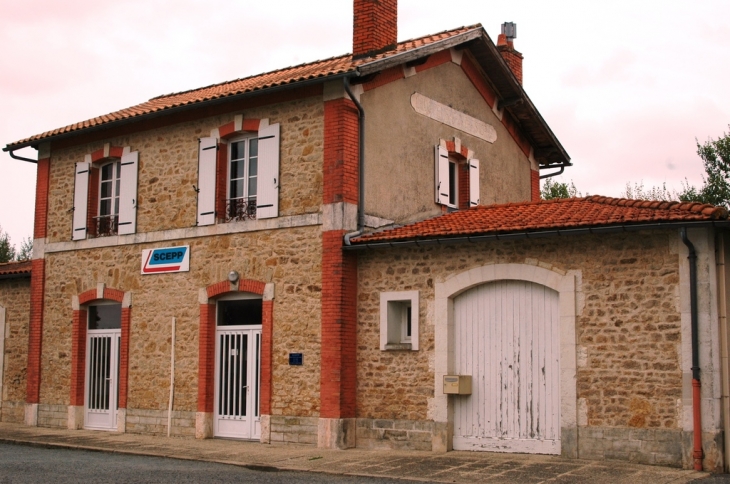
(7, 251)
(26, 249)
(715, 189)
(552, 189)
(638, 192)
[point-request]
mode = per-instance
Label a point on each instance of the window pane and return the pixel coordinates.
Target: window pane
(106, 189)
(105, 206)
(107, 316)
(254, 148)
(236, 189)
(106, 171)
(253, 167)
(238, 150)
(239, 312)
(116, 206)
(252, 187)
(237, 169)
(116, 189)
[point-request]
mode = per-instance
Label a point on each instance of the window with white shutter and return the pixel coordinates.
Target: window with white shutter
(81, 200)
(267, 199)
(442, 175)
(207, 156)
(127, 222)
(473, 182)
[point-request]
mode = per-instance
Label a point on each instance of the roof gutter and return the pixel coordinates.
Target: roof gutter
(165, 112)
(12, 154)
(538, 234)
(17, 275)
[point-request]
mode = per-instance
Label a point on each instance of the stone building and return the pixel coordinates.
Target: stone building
(310, 254)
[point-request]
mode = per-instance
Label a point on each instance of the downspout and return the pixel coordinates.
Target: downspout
(361, 166)
(696, 385)
(555, 173)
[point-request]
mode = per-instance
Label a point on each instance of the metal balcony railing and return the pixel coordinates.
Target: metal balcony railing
(238, 209)
(104, 225)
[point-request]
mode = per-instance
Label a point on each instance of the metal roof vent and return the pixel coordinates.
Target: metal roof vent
(509, 29)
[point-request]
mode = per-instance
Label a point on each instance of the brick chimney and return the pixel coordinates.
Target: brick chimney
(506, 47)
(375, 27)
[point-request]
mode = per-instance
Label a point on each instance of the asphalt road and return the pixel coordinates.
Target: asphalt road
(21, 464)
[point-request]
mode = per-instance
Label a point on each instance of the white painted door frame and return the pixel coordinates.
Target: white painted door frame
(506, 339)
(441, 406)
(237, 382)
(101, 386)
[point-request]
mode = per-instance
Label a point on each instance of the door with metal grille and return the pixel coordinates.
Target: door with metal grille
(238, 368)
(102, 377)
(507, 339)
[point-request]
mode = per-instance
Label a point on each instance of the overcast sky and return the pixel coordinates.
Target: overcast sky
(626, 85)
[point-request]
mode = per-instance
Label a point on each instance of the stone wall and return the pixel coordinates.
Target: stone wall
(154, 422)
(168, 168)
(290, 258)
(394, 434)
(294, 430)
(15, 298)
(628, 333)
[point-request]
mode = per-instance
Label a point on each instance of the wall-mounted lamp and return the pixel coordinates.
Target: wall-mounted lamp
(233, 277)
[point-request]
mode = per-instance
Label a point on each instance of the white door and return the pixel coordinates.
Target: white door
(238, 356)
(102, 378)
(507, 339)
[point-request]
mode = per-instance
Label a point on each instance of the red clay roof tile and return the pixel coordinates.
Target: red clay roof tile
(15, 268)
(288, 75)
(566, 213)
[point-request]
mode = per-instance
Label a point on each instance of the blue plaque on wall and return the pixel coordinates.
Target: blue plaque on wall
(296, 359)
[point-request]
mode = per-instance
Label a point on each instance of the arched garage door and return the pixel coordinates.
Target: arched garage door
(507, 338)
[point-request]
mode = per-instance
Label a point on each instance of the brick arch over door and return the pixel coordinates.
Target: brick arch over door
(448, 290)
(206, 357)
(78, 341)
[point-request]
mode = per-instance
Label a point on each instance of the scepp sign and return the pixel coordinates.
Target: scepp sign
(167, 259)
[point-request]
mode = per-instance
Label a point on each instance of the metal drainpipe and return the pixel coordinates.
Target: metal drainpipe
(21, 158)
(361, 166)
(696, 385)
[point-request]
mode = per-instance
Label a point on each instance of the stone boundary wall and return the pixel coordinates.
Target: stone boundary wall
(12, 412)
(154, 422)
(294, 430)
(394, 434)
(53, 416)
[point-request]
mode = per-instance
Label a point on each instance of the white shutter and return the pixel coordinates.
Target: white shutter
(128, 193)
(473, 183)
(207, 157)
(442, 175)
(267, 199)
(81, 200)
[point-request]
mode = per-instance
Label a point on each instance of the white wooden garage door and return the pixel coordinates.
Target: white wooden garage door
(507, 338)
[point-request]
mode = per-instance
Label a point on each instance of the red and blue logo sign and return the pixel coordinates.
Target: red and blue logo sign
(167, 259)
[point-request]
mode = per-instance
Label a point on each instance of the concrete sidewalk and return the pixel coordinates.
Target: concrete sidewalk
(460, 467)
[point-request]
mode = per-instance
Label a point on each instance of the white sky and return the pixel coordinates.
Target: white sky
(626, 85)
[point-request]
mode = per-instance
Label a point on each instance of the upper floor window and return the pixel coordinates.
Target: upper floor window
(109, 187)
(242, 176)
(457, 179)
(105, 194)
(238, 178)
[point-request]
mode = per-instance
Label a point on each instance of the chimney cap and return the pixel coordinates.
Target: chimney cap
(509, 29)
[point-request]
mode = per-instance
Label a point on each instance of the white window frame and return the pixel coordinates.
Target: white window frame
(394, 309)
(116, 182)
(247, 166)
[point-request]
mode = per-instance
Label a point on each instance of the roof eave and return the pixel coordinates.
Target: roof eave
(536, 234)
(178, 109)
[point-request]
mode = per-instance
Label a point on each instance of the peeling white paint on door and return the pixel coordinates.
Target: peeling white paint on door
(507, 337)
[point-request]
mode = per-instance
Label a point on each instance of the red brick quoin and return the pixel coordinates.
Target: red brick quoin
(78, 346)
(206, 351)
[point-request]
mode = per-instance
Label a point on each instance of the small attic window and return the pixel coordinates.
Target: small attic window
(399, 321)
